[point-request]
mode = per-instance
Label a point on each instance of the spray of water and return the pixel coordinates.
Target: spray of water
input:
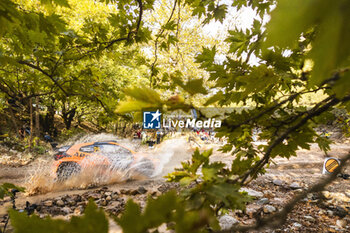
(113, 167)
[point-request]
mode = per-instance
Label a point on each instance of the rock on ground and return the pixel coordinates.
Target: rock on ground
(226, 221)
(269, 209)
(252, 192)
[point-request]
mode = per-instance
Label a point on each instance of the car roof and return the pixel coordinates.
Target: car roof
(96, 143)
(106, 142)
(111, 142)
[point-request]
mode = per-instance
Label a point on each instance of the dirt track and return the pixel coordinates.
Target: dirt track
(23, 175)
(304, 169)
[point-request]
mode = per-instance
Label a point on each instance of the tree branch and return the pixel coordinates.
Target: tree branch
(138, 24)
(317, 110)
(272, 108)
(45, 73)
(156, 43)
(6, 91)
(280, 218)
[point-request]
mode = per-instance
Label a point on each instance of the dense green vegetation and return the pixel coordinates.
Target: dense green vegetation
(74, 59)
(94, 66)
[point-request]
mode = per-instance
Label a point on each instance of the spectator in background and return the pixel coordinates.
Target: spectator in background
(138, 133)
(143, 137)
(158, 137)
(47, 137)
(27, 130)
(21, 133)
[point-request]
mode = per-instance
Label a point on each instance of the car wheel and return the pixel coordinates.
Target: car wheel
(66, 170)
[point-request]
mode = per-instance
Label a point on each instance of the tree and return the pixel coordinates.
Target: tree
(58, 53)
(177, 40)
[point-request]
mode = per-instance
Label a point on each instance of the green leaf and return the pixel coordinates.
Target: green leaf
(93, 220)
(127, 220)
(134, 106)
(142, 98)
(323, 143)
(198, 10)
(143, 94)
(5, 189)
(215, 98)
(326, 49)
(238, 41)
(220, 12)
(160, 210)
(290, 19)
(187, 180)
(198, 159)
(210, 171)
(341, 86)
(330, 48)
(49, 3)
(62, 3)
(193, 86)
(206, 57)
(157, 212)
(171, 25)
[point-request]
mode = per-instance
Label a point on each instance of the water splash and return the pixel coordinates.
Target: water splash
(42, 180)
(121, 167)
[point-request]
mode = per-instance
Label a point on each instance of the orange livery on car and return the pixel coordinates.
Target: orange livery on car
(72, 159)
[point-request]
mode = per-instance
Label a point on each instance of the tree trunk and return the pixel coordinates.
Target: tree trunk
(68, 116)
(124, 128)
(13, 119)
(116, 127)
(48, 122)
(31, 123)
(37, 117)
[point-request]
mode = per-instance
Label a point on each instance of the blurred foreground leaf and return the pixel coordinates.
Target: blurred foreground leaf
(93, 220)
(5, 189)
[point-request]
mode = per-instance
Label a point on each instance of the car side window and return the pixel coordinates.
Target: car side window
(87, 149)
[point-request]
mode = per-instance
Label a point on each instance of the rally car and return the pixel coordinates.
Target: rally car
(72, 159)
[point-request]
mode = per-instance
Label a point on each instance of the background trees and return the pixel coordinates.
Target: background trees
(72, 57)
